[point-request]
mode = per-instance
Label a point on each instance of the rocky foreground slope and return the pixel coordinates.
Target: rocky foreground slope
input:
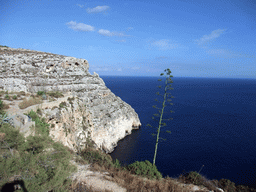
(89, 107)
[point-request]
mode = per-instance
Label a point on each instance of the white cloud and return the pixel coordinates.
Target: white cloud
(80, 26)
(81, 6)
(108, 33)
(105, 32)
(97, 9)
(164, 44)
(119, 69)
(207, 38)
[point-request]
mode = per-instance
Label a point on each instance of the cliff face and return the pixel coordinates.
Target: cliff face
(88, 106)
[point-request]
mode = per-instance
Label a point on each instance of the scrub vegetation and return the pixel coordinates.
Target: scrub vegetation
(36, 163)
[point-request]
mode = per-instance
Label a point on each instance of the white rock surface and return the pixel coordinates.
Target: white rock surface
(94, 110)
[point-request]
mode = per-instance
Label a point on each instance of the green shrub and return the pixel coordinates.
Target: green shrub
(39, 111)
(14, 96)
(1, 105)
(117, 163)
(62, 104)
(40, 93)
(38, 167)
(145, 169)
(54, 107)
(36, 144)
(12, 137)
(95, 156)
(41, 126)
(242, 188)
(194, 177)
(227, 185)
(7, 97)
(70, 100)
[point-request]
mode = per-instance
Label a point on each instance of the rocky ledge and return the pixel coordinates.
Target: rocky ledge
(88, 108)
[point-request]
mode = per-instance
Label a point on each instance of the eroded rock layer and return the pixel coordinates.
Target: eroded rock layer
(88, 107)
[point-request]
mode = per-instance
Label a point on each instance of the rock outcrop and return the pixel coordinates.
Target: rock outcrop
(88, 106)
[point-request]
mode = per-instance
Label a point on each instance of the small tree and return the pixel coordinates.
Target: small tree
(161, 110)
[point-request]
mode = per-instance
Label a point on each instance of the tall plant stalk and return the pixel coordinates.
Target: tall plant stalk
(161, 110)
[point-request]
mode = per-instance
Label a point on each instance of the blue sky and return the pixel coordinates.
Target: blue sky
(200, 38)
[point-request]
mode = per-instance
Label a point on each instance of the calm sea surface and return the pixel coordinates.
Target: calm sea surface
(214, 125)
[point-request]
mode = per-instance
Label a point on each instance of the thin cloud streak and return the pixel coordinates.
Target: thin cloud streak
(80, 26)
(164, 44)
(81, 6)
(97, 9)
(207, 38)
(108, 33)
(226, 53)
(129, 28)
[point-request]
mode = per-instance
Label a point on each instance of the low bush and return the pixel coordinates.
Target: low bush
(194, 177)
(242, 188)
(227, 185)
(54, 107)
(14, 97)
(2, 107)
(39, 111)
(2, 93)
(41, 127)
(56, 94)
(145, 168)
(70, 100)
(12, 137)
(95, 156)
(62, 104)
(1, 104)
(40, 93)
(22, 93)
(7, 97)
(39, 168)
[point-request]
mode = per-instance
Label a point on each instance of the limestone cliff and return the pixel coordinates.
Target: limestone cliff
(88, 106)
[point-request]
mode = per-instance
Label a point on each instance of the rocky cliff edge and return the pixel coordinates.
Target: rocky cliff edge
(87, 108)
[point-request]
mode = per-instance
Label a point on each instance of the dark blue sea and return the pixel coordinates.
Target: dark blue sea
(214, 124)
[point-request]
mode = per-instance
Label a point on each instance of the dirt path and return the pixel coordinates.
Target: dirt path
(14, 105)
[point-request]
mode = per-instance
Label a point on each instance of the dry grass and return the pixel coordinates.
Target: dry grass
(2, 93)
(135, 183)
(29, 102)
(81, 187)
(125, 179)
(55, 94)
(6, 106)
